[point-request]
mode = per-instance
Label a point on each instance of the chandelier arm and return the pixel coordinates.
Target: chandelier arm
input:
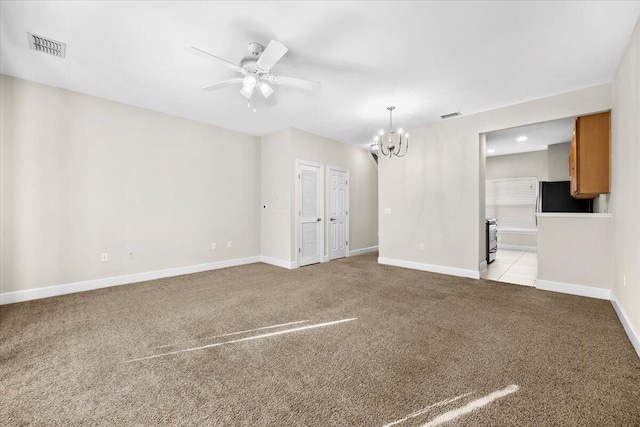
(381, 146)
(406, 150)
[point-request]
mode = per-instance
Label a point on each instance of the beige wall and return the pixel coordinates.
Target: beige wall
(435, 192)
(83, 175)
(625, 191)
(278, 171)
(575, 249)
(276, 178)
(533, 163)
(558, 160)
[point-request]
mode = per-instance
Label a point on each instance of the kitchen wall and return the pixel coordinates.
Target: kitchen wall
(625, 200)
(82, 176)
(558, 161)
(435, 193)
(533, 163)
(278, 171)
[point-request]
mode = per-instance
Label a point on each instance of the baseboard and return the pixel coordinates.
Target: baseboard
(451, 271)
(567, 288)
(362, 251)
(633, 335)
(517, 248)
(278, 262)
(483, 265)
(89, 285)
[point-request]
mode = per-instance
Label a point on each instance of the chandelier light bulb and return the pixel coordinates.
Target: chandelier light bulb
(381, 132)
(400, 131)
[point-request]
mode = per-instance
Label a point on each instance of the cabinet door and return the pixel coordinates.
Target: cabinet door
(591, 156)
(573, 173)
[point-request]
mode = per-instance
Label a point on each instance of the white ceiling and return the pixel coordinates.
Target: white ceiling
(426, 58)
(539, 137)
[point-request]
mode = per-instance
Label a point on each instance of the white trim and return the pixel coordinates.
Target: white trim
(451, 271)
(633, 335)
(320, 167)
(278, 262)
(517, 248)
(573, 215)
(88, 285)
(483, 265)
(348, 219)
(362, 251)
(517, 231)
(567, 288)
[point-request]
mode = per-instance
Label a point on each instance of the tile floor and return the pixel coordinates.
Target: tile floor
(518, 267)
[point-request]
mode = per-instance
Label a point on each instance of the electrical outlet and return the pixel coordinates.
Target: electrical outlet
(213, 246)
(387, 211)
(228, 244)
(422, 246)
(130, 254)
(104, 257)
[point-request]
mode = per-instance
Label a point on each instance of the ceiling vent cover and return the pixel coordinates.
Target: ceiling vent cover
(448, 116)
(43, 44)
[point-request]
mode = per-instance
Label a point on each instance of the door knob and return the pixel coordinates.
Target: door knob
(319, 219)
(333, 219)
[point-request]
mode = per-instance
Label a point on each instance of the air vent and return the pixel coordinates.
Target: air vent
(448, 116)
(43, 44)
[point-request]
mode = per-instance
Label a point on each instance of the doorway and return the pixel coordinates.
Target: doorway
(338, 210)
(309, 212)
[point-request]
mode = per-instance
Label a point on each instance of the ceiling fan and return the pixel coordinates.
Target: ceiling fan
(256, 71)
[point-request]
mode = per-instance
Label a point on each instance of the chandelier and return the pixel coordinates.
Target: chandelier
(391, 144)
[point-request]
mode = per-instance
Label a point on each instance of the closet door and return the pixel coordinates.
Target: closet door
(309, 213)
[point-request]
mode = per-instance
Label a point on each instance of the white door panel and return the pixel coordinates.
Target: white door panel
(338, 218)
(310, 214)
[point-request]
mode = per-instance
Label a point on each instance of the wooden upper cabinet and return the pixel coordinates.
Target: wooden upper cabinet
(590, 156)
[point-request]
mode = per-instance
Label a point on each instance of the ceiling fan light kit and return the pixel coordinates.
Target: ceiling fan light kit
(256, 69)
(393, 144)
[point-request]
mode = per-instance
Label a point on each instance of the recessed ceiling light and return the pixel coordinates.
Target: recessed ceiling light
(522, 138)
(491, 151)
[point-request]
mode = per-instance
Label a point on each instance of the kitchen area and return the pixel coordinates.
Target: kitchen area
(547, 220)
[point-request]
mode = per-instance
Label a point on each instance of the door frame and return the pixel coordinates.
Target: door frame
(298, 189)
(347, 208)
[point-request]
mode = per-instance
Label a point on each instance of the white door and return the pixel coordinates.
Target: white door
(338, 213)
(309, 213)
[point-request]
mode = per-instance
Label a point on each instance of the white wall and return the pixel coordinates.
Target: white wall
(558, 160)
(434, 192)
(278, 221)
(276, 183)
(575, 249)
(82, 176)
(533, 163)
(625, 190)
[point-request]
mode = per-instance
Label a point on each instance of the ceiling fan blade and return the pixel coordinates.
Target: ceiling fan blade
(292, 81)
(272, 54)
(226, 63)
(225, 83)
